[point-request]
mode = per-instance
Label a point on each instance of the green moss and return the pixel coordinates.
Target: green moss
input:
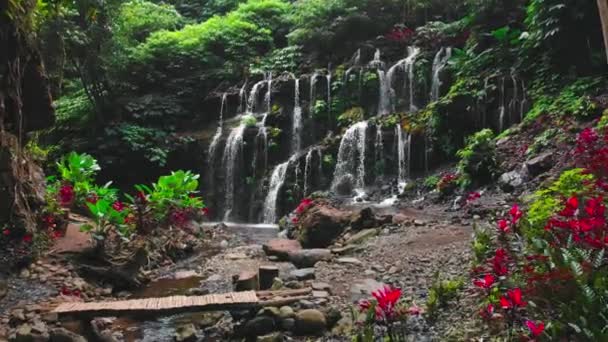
(351, 116)
(477, 159)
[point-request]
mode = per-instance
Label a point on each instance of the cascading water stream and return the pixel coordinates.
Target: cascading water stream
(297, 125)
(524, 101)
(354, 62)
(276, 183)
(409, 66)
(313, 83)
(439, 63)
(218, 134)
(243, 98)
(232, 154)
(351, 157)
(328, 78)
(254, 94)
(502, 110)
(268, 96)
(404, 142)
(386, 79)
(308, 172)
(379, 147)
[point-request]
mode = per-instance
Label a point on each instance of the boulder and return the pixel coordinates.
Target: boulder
(259, 326)
(539, 164)
(281, 248)
(363, 219)
(303, 274)
(310, 322)
(64, 335)
(309, 257)
(185, 333)
(510, 181)
(321, 225)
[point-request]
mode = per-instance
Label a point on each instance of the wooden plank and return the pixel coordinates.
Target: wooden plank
(161, 306)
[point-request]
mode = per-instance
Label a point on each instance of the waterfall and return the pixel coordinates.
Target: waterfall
(351, 156)
(524, 101)
(308, 172)
(268, 96)
(232, 154)
(386, 79)
(243, 98)
(354, 62)
(514, 106)
(379, 147)
(502, 109)
(404, 141)
(263, 136)
(254, 94)
(384, 105)
(328, 77)
(297, 173)
(439, 63)
(276, 182)
(313, 83)
(297, 125)
(377, 61)
(218, 134)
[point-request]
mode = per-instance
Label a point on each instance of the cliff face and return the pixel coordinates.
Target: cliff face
(25, 105)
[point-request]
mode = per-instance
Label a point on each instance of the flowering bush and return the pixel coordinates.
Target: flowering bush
(550, 265)
(384, 316)
(447, 183)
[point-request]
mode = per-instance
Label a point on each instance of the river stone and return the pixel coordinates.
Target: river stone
(281, 248)
(361, 236)
(321, 225)
(64, 335)
(270, 311)
(288, 324)
(185, 333)
(303, 274)
(510, 181)
(351, 261)
(539, 164)
(259, 326)
(310, 322)
(362, 289)
(286, 312)
(309, 257)
(321, 286)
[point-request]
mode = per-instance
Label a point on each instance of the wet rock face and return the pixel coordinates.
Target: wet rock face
(321, 225)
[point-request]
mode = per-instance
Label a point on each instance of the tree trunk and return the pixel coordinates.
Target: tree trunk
(602, 6)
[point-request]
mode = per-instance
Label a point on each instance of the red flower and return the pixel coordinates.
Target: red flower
(56, 234)
(27, 238)
(295, 220)
(473, 196)
(514, 300)
(387, 298)
(304, 204)
(179, 217)
(65, 291)
(488, 311)
(486, 282)
(93, 198)
(515, 213)
(571, 207)
(66, 195)
(141, 196)
(535, 328)
(118, 206)
(49, 221)
(130, 219)
(205, 211)
(504, 226)
(6, 232)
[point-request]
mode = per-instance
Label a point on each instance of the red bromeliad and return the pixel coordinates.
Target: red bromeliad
(66, 195)
(387, 299)
(512, 300)
(486, 282)
(118, 206)
(536, 328)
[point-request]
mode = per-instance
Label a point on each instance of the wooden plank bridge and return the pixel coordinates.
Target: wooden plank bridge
(180, 304)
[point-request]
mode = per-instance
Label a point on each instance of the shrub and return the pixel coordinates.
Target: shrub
(441, 293)
(431, 182)
(249, 121)
(477, 159)
(351, 116)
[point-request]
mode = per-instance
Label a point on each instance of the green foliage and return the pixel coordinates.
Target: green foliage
(351, 116)
(573, 100)
(481, 244)
(279, 60)
(441, 293)
(174, 191)
(75, 107)
(546, 202)
(477, 159)
(78, 168)
(603, 122)
(543, 141)
(431, 182)
(106, 219)
(249, 121)
(154, 144)
(319, 110)
(137, 19)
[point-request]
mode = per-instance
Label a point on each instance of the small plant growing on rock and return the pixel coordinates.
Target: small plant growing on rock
(441, 293)
(477, 159)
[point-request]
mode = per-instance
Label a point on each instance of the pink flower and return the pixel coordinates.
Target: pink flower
(6, 232)
(535, 328)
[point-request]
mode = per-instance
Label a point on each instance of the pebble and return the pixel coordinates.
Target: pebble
(353, 261)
